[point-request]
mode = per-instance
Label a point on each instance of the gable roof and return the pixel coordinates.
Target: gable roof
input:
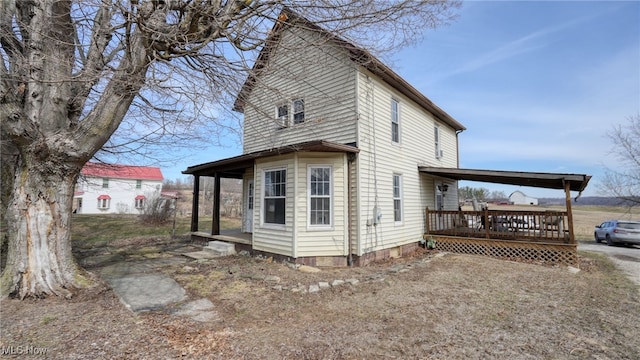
(117, 171)
(358, 55)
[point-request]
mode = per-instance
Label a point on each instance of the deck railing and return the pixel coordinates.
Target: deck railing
(530, 226)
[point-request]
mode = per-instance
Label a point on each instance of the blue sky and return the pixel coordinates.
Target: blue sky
(537, 84)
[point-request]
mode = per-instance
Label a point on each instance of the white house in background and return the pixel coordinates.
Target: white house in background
(519, 198)
(115, 189)
(333, 143)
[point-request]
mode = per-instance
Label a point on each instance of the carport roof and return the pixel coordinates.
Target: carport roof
(234, 167)
(577, 182)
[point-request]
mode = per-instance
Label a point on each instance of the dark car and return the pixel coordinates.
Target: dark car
(618, 231)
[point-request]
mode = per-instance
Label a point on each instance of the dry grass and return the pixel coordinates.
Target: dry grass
(452, 307)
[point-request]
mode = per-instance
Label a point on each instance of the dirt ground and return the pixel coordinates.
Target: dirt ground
(421, 307)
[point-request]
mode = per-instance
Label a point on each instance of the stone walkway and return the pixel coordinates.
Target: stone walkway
(137, 279)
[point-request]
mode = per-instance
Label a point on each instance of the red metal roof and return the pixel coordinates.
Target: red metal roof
(104, 197)
(140, 197)
(116, 171)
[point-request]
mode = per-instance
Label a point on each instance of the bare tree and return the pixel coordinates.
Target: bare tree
(84, 78)
(623, 181)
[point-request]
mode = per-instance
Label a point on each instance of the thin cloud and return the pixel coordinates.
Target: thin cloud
(525, 44)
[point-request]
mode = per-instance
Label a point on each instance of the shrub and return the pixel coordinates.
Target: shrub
(157, 210)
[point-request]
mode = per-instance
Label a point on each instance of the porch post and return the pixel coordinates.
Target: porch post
(194, 203)
(215, 222)
(567, 193)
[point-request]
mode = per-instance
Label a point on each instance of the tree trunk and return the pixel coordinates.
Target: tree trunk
(39, 259)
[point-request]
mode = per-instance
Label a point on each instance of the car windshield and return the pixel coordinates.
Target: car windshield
(629, 225)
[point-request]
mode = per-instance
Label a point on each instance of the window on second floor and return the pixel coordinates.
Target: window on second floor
(290, 113)
(138, 184)
(282, 115)
(298, 111)
(105, 183)
(395, 121)
(436, 139)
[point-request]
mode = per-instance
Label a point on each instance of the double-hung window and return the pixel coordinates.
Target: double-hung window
(320, 195)
(282, 114)
(397, 198)
(298, 111)
(290, 113)
(436, 139)
(105, 183)
(275, 192)
(395, 121)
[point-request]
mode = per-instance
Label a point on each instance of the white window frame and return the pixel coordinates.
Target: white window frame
(283, 120)
(104, 204)
(397, 198)
(139, 203)
(437, 141)
(138, 184)
(105, 183)
(310, 197)
(264, 198)
(295, 113)
(395, 121)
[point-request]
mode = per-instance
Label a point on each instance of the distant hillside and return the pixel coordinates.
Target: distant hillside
(584, 200)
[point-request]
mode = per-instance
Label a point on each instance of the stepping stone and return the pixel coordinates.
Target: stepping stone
(145, 292)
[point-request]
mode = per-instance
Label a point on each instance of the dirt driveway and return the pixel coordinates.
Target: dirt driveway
(627, 258)
(422, 307)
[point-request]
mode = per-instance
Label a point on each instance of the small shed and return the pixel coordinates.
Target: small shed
(519, 198)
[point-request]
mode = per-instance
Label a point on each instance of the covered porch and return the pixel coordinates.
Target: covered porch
(545, 236)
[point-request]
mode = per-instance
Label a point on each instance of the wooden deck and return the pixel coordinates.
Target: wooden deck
(543, 236)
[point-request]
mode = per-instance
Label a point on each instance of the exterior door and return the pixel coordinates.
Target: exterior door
(248, 213)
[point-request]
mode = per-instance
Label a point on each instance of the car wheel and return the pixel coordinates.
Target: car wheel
(595, 235)
(609, 241)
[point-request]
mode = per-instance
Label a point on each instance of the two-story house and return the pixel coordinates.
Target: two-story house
(115, 189)
(333, 140)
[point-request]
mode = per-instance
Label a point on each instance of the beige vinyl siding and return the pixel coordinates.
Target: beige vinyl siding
(379, 159)
(277, 239)
(322, 75)
(322, 240)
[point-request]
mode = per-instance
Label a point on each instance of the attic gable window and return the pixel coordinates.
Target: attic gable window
(298, 111)
(290, 113)
(282, 115)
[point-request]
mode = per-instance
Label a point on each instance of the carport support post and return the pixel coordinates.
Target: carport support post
(567, 193)
(215, 222)
(194, 203)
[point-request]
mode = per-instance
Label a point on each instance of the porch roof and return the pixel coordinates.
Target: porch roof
(577, 182)
(234, 167)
